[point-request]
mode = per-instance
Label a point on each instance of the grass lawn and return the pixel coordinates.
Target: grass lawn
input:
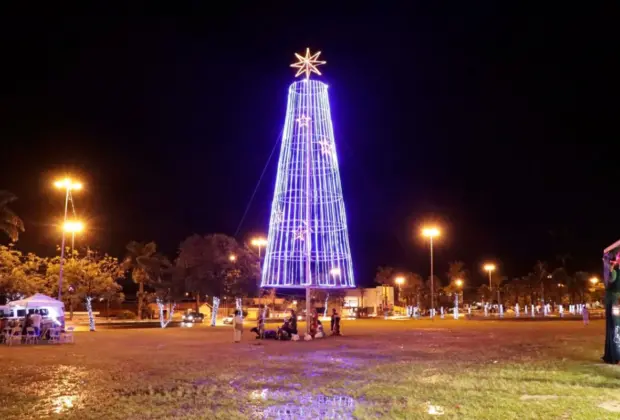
(379, 369)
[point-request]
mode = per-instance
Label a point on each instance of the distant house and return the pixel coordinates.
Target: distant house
(372, 300)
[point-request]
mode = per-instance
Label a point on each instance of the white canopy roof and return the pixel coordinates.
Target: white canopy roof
(38, 300)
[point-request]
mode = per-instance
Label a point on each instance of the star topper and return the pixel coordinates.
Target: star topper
(308, 63)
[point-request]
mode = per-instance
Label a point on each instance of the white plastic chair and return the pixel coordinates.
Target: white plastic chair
(67, 336)
(15, 336)
(54, 335)
(6, 334)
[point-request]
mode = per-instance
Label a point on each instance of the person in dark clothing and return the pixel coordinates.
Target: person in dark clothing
(293, 323)
(612, 309)
(335, 322)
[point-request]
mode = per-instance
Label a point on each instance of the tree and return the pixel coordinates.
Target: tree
(217, 265)
(385, 275)
(456, 270)
(582, 283)
(413, 288)
(20, 275)
(10, 223)
(541, 277)
(139, 257)
(86, 277)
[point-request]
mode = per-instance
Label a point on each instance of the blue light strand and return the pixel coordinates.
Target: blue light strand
(308, 219)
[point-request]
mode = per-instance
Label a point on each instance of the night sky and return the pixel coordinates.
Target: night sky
(493, 122)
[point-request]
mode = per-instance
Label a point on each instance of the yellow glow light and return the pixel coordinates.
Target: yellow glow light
(232, 258)
(260, 242)
(459, 282)
(593, 280)
(308, 63)
(430, 232)
(335, 271)
(489, 267)
(68, 183)
(73, 226)
(399, 280)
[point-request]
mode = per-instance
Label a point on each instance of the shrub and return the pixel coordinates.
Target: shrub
(126, 315)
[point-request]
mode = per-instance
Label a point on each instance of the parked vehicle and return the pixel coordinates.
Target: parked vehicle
(193, 317)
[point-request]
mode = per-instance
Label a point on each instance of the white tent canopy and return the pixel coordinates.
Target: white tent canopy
(38, 301)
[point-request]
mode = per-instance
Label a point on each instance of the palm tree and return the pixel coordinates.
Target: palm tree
(10, 223)
(138, 259)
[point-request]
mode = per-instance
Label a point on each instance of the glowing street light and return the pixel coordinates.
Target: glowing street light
(430, 233)
(399, 280)
(259, 243)
(459, 284)
(72, 226)
(490, 268)
(232, 258)
(68, 185)
(593, 280)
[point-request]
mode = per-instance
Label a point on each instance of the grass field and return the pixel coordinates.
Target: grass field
(379, 369)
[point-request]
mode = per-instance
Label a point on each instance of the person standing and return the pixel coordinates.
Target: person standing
(35, 319)
(612, 309)
(237, 326)
(585, 313)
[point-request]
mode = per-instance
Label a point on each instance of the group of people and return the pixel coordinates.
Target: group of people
(31, 320)
(289, 327)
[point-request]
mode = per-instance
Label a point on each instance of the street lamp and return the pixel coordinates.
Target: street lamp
(490, 268)
(593, 280)
(232, 258)
(259, 242)
(430, 233)
(72, 227)
(459, 284)
(399, 280)
(68, 185)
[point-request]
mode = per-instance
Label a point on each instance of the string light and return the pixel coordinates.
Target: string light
(308, 239)
(216, 307)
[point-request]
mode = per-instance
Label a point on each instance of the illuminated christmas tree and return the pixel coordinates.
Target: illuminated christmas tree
(308, 243)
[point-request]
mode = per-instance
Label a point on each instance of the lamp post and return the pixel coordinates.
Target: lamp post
(490, 268)
(430, 233)
(259, 242)
(400, 280)
(72, 227)
(68, 185)
(459, 284)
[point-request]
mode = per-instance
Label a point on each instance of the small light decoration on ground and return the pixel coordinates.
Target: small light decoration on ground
(216, 307)
(91, 317)
(163, 322)
(308, 235)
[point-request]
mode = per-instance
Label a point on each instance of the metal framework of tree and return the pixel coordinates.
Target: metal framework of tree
(308, 242)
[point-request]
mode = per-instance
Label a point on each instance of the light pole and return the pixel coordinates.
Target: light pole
(430, 233)
(68, 185)
(259, 242)
(490, 268)
(72, 227)
(400, 280)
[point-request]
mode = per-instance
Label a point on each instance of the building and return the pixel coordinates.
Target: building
(373, 300)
